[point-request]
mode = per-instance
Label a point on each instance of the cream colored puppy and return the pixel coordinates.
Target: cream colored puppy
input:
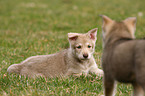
(76, 60)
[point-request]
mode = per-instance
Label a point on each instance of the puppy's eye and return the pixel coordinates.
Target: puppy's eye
(79, 47)
(89, 46)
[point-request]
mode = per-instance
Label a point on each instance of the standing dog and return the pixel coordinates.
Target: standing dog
(76, 60)
(123, 57)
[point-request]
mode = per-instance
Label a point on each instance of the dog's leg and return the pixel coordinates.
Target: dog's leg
(76, 74)
(96, 70)
(71, 72)
(109, 87)
(137, 90)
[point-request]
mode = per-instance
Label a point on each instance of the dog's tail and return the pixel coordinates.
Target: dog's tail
(15, 68)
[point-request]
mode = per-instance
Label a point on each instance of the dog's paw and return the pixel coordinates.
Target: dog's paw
(100, 72)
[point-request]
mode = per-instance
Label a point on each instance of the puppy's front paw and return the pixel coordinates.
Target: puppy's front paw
(100, 72)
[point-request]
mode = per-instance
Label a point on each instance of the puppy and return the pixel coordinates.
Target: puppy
(123, 57)
(76, 60)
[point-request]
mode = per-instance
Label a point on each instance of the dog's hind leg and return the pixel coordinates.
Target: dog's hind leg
(109, 86)
(15, 68)
(137, 90)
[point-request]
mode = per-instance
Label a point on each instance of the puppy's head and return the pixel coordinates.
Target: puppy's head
(123, 29)
(83, 45)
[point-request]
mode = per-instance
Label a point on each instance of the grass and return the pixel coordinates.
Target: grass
(35, 27)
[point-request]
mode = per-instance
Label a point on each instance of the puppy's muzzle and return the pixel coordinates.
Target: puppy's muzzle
(85, 55)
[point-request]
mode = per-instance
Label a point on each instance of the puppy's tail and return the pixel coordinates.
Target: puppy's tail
(15, 68)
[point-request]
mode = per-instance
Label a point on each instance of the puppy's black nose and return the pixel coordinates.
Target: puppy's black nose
(85, 55)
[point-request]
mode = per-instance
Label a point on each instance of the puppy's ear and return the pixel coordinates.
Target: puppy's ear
(72, 36)
(131, 24)
(106, 20)
(93, 34)
(107, 24)
(130, 21)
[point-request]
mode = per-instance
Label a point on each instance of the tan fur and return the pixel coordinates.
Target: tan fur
(64, 63)
(123, 56)
(131, 23)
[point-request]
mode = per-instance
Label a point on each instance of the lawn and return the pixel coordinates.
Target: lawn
(38, 27)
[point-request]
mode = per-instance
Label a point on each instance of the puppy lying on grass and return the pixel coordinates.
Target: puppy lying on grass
(76, 60)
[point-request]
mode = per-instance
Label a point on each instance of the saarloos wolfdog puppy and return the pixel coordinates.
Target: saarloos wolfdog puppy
(123, 57)
(76, 60)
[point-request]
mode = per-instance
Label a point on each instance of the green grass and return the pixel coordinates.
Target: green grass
(34, 27)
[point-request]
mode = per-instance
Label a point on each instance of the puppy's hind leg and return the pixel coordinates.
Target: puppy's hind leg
(137, 90)
(109, 86)
(15, 68)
